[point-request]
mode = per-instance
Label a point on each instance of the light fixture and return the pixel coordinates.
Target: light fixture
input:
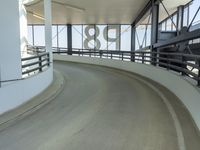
(36, 15)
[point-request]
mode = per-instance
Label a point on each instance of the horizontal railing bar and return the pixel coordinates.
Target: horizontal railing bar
(34, 57)
(31, 64)
(34, 69)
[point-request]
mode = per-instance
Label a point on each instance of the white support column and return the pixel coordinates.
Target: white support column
(23, 29)
(48, 26)
(10, 45)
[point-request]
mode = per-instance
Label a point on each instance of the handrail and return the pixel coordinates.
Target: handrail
(35, 63)
(185, 64)
(31, 66)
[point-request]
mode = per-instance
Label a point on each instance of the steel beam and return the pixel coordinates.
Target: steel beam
(133, 28)
(142, 13)
(180, 15)
(69, 39)
(154, 28)
(181, 38)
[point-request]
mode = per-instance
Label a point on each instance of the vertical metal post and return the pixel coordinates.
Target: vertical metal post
(0, 76)
(182, 65)
(69, 39)
(40, 63)
(95, 40)
(120, 35)
(82, 37)
(180, 11)
(198, 82)
(133, 28)
(48, 59)
(143, 57)
(154, 28)
(57, 37)
(33, 35)
(168, 62)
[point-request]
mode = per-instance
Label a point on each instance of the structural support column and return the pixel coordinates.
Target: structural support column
(48, 35)
(133, 28)
(180, 18)
(69, 38)
(48, 27)
(154, 28)
(10, 51)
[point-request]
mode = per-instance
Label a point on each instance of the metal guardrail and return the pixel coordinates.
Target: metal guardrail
(185, 64)
(35, 64)
(34, 50)
(32, 65)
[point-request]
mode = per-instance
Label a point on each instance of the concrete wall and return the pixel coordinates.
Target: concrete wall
(184, 90)
(23, 28)
(13, 33)
(10, 45)
(16, 93)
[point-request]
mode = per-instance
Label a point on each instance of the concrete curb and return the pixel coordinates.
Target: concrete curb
(35, 103)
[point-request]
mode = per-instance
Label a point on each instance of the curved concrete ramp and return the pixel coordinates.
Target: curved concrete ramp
(102, 109)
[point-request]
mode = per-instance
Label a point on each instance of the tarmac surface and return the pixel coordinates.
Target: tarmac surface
(101, 108)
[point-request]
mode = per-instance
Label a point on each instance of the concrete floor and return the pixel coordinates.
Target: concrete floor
(101, 109)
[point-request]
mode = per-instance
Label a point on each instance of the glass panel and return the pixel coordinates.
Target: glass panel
(148, 38)
(77, 36)
(54, 36)
(125, 38)
(30, 35)
(140, 39)
(100, 39)
(62, 36)
(169, 25)
(113, 32)
(39, 36)
(163, 26)
(88, 36)
(185, 17)
(175, 22)
(192, 11)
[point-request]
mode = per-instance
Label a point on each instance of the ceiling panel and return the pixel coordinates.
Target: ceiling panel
(95, 11)
(89, 11)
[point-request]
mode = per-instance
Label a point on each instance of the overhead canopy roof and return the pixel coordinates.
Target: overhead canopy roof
(94, 11)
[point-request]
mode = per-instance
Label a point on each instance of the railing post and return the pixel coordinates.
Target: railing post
(69, 39)
(48, 59)
(100, 53)
(143, 57)
(133, 56)
(168, 62)
(122, 56)
(40, 63)
(182, 65)
(198, 82)
(0, 76)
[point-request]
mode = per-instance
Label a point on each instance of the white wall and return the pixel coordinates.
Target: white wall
(19, 92)
(184, 90)
(10, 55)
(23, 28)
(13, 32)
